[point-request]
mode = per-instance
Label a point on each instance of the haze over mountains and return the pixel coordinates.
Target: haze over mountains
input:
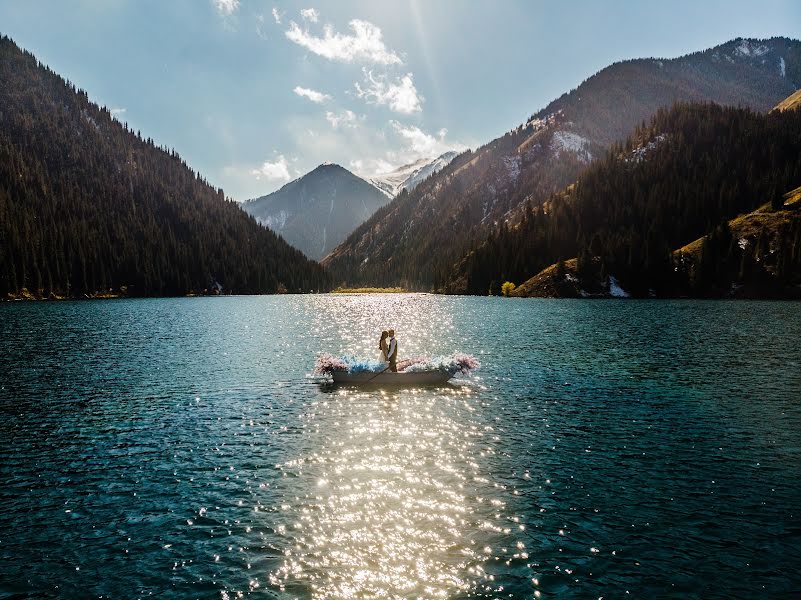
(417, 239)
(316, 212)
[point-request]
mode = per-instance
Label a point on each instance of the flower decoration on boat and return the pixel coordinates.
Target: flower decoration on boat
(326, 363)
(456, 363)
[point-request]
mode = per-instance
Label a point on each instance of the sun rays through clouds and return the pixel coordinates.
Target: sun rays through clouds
(353, 90)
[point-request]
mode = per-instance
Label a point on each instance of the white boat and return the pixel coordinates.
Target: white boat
(390, 378)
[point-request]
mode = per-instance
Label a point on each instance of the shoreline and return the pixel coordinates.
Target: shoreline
(370, 290)
(25, 298)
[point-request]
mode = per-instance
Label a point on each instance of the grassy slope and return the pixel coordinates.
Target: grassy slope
(791, 102)
(546, 284)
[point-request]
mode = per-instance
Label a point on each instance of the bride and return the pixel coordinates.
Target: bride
(382, 346)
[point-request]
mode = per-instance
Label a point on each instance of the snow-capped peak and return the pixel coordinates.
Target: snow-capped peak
(409, 176)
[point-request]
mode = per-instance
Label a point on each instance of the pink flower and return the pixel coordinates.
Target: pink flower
(466, 362)
(326, 364)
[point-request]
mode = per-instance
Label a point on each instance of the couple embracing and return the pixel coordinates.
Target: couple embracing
(388, 346)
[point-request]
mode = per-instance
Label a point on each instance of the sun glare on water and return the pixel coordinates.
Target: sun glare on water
(395, 502)
(400, 506)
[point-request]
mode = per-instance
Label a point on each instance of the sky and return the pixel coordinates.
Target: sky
(255, 93)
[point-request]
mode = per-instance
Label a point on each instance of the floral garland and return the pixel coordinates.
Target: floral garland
(456, 363)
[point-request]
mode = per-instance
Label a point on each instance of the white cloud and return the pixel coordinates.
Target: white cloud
(366, 44)
(369, 148)
(260, 27)
(277, 15)
(420, 144)
(226, 7)
(400, 96)
(372, 166)
(346, 118)
(277, 170)
(115, 112)
(309, 14)
(313, 95)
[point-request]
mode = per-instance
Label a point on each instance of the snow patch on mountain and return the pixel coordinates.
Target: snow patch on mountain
(747, 48)
(567, 141)
(89, 119)
(537, 123)
(782, 66)
(641, 153)
(275, 222)
(615, 290)
(512, 164)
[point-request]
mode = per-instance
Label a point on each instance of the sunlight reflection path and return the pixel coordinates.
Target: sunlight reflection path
(400, 506)
(392, 499)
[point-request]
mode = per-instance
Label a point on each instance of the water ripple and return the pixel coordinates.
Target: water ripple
(178, 448)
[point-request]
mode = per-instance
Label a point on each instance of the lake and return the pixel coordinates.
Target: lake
(180, 448)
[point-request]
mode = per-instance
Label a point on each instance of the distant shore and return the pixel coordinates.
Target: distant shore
(28, 296)
(369, 290)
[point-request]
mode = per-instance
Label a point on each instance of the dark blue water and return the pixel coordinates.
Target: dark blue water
(178, 448)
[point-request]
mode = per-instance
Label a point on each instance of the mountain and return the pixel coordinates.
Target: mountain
(631, 223)
(409, 176)
(88, 207)
(318, 211)
(416, 239)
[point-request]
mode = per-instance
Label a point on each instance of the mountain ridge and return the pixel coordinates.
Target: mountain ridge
(425, 232)
(315, 212)
(694, 170)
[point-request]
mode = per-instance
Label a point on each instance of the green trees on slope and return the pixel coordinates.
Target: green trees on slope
(86, 205)
(692, 168)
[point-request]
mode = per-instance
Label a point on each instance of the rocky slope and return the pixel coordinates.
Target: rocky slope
(416, 240)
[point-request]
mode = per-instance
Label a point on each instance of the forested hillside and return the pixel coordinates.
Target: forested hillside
(89, 207)
(683, 176)
(416, 239)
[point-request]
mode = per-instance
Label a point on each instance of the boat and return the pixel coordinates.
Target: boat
(391, 378)
(413, 371)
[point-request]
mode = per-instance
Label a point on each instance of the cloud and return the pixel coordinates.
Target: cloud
(260, 27)
(310, 14)
(423, 144)
(273, 171)
(115, 112)
(372, 166)
(400, 96)
(226, 7)
(346, 118)
(313, 95)
(369, 148)
(277, 15)
(366, 44)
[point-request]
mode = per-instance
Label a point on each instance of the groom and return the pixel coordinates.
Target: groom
(392, 351)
